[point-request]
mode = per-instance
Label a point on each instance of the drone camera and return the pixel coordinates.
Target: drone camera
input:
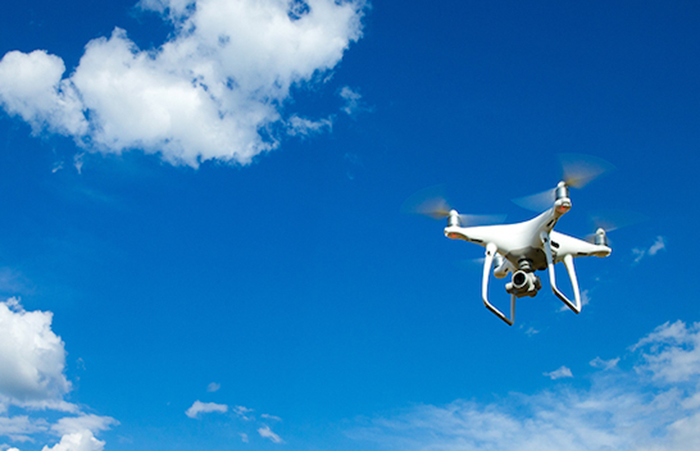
(524, 284)
(519, 280)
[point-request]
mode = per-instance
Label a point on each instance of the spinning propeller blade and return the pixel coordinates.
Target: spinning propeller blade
(610, 220)
(436, 208)
(536, 202)
(615, 219)
(431, 202)
(475, 220)
(577, 171)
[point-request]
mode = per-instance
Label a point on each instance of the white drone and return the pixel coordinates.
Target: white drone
(526, 247)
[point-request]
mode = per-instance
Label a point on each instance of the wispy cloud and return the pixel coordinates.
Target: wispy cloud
(604, 364)
(219, 88)
(266, 432)
(355, 163)
(529, 331)
(652, 405)
(299, 126)
(213, 387)
(244, 413)
(90, 422)
(242, 417)
(13, 282)
(270, 417)
(353, 101)
(560, 373)
(673, 352)
(205, 407)
(20, 428)
(655, 248)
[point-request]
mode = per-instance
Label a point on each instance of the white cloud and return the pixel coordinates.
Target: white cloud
(658, 245)
(213, 387)
(216, 90)
(244, 413)
(530, 331)
(31, 87)
(270, 417)
(298, 126)
(244, 437)
(353, 102)
(266, 432)
(674, 354)
(91, 422)
(604, 364)
(77, 441)
(559, 373)
(352, 99)
(20, 428)
(32, 359)
(653, 406)
(205, 407)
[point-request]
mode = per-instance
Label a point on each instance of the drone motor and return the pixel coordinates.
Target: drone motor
(561, 191)
(453, 219)
(601, 239)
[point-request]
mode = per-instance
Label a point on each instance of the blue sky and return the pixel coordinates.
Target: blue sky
(203, 245)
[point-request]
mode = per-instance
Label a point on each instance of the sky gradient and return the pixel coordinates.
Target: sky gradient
(204, 245)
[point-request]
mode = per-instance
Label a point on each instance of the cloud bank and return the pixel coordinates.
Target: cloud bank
(32, 359)
(215, 90)
(32, 364)
(654, 405)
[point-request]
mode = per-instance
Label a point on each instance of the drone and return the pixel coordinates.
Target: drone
(521, 249)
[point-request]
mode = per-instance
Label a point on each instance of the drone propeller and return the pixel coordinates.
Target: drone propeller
(577, 171)
(606, 221)
(431, 202)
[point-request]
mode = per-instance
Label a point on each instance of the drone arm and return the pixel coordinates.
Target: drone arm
(491, 250)
(569, 263)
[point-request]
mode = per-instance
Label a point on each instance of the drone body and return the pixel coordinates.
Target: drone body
(526, 247)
